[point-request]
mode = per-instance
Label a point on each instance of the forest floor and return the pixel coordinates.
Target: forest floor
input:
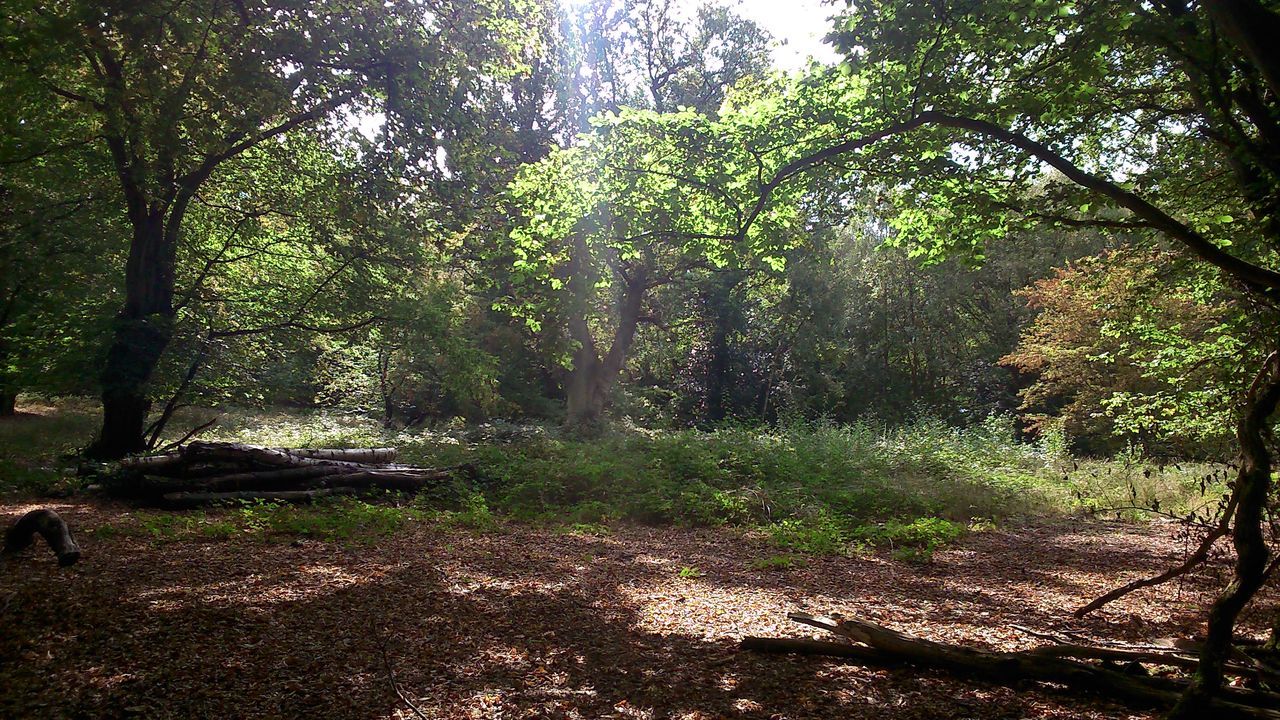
(525, 621)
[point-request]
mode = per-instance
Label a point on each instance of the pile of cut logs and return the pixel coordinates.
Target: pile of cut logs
(203, 473)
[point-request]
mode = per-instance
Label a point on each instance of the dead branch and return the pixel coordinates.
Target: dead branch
(395, 686)
(1195, 559)
(807, 646)
(881, 644)
(190, 434)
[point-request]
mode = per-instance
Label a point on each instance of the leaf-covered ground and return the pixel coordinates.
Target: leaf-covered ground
(531, 623)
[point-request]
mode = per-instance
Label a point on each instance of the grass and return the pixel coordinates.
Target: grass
(342, 520)
(813, 489)
(779, 562)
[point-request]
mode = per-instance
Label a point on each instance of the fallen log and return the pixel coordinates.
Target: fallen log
(807, 646)
(51, 527)
(185, 457)
(1170, 657)
(883, 645)
(283, 479)
(215, 472)
(361, 455)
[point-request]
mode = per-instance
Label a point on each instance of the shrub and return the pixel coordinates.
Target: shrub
(819, 535)
(914, 541)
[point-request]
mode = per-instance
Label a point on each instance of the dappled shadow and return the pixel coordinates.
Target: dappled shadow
(525, 623)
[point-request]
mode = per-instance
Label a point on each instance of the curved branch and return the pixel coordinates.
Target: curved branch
(1193, 560)
(1256, 277)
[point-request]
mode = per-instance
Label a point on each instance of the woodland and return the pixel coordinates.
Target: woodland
(571, 359)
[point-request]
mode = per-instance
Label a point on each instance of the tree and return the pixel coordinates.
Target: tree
(641, 205)
(1161, 117)
(1135, 347)
(56, 216)
(177, 91)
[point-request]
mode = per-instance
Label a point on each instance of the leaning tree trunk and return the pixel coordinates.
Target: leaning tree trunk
(142, 331)
(1253, 485)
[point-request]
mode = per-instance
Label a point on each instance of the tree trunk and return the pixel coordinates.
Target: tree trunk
(142, 331)
(1252, 487)
(135, 351)
(8, 402)
(593, 377)
(1252, 27)
(585, 396)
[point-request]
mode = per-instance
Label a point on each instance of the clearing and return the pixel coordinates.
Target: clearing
(524, 621)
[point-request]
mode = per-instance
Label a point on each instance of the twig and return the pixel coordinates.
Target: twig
(194, 431)
(395, 686)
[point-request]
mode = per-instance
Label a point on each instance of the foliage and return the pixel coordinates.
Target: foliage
(343, 520)
(818, 535)
(689, 573)
(913, 541)
(778, 562)
(1134, 347)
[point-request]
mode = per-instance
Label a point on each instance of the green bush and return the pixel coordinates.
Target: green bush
(819, 535)
(914, 541)
(808, 485)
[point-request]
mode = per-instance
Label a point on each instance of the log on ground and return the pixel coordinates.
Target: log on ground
(187, 500)
(51, 527)
(879, 644)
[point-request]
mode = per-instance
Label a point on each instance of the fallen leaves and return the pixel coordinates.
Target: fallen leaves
(530, 623)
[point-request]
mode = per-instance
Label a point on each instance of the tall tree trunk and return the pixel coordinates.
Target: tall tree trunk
(721, 309)
(142, 331)
(1252, 487)
(593, 377)
(586, 393)
(8, 402)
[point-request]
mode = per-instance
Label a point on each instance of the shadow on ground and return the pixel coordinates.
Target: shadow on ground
(531, 623)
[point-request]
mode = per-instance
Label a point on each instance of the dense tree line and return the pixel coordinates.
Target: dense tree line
(349, 231)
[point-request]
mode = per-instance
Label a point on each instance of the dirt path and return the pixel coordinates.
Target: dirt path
(530, 623)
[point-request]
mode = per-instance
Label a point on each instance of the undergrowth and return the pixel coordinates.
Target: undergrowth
(811, 488)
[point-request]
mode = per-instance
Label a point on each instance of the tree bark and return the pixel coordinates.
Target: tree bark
(8, 402)
(141, 334)
(593, 377)
(1253, 29)
(1252, 487)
